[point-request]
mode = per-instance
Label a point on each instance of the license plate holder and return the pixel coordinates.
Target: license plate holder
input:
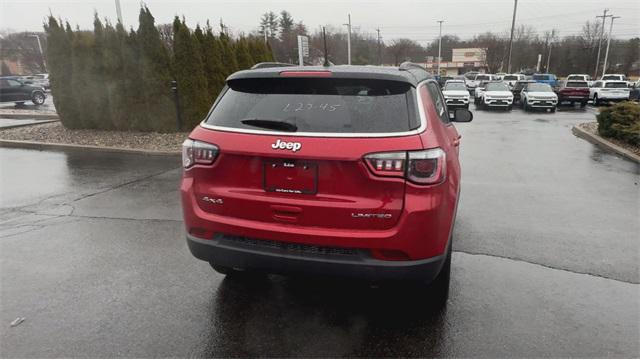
(290, 176)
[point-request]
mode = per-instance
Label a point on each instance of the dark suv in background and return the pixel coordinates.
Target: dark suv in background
(14, 90)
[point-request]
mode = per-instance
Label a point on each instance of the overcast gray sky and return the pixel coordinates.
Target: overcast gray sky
(400, 18)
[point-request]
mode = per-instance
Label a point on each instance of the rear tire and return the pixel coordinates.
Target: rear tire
(583, 104)
(439, 289)
(232, 273)
(596, 102)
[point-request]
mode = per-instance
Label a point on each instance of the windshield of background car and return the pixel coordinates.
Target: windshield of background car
(577, 84)
(482, 77)
(616, 85)
(319, 105)
(611, 77)
(575, 77)
(541, 77)
(510, 78)
(496, 86)
(455, 86)
(539, 88)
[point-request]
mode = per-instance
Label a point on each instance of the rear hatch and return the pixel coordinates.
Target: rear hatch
(291, 151)
(576, 89)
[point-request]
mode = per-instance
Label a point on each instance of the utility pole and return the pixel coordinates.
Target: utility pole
(604, 17)
(513, 24)
(44, 65)
(549, 56)
(440, 46)
(348, 25)
(119, 12)
(379, 48)
(606, 54)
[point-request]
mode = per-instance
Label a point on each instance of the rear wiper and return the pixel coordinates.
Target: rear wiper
(279, 125)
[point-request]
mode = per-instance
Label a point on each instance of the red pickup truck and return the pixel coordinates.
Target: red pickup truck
(573, 91)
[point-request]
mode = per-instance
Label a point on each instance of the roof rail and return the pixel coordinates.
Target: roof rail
(265, 65)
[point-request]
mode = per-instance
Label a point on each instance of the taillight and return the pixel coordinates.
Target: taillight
(197, 152)
(421, 167)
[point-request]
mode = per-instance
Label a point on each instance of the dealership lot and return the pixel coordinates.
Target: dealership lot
(546, 261)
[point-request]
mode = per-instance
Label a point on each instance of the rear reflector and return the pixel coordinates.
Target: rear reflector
(305, 74)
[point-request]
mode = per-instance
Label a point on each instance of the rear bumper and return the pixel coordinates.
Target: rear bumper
(251, 254)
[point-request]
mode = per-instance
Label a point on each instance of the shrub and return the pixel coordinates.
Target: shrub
(621, 121)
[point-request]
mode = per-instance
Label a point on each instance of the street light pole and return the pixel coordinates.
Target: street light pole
(440, 46)
(348, 25)
(606, 54)
(604, 17)
(513, 24)
(379, 48)
(44, 65)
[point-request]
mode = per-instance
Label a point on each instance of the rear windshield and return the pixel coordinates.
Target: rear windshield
(319, 105)
(540, 77)
(576, 77)
(616, 85)
(510, 77)
(482, 77)
(611, 77)
(577, 84)
(455, 86)
(496, 86)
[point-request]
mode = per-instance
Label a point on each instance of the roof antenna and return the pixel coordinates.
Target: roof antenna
(324, 37)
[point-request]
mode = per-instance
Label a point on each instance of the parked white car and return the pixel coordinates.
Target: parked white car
(472, 84)
(538, 95)
(497, 94)
(456, 94)
(605, 91)
(580, 77)
(511, 79)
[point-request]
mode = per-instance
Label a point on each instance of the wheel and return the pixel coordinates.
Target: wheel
(439, 288)
(37, 98)
(510, 107)
(553, 109)
(595, 99)
(583, 104)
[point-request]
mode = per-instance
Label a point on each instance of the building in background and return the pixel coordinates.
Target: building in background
(462, 61)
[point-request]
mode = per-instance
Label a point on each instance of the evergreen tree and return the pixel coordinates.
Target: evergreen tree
(190, 75)
(60, 70)
(212, 51)
(228, 54)
(155, 69)
(245, 61)
(98, 78)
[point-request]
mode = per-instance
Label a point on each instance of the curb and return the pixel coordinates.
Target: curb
(603, 143)
(35, 116)
(40, 122)
(67, 146)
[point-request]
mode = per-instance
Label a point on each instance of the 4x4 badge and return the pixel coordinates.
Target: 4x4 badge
(281, 145)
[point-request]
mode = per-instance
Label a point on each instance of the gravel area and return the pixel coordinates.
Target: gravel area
(592, 127)
(56, 133)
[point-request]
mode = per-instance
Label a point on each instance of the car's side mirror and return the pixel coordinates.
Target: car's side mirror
(461, 115)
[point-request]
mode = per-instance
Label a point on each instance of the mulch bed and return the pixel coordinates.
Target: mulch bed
(56, 133)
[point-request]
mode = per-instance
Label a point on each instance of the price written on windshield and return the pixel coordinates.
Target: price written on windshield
(296, 107)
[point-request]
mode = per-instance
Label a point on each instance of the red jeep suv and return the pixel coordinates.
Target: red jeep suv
(340, 170)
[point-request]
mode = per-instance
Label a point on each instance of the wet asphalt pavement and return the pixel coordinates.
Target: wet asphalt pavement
(546, 262)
